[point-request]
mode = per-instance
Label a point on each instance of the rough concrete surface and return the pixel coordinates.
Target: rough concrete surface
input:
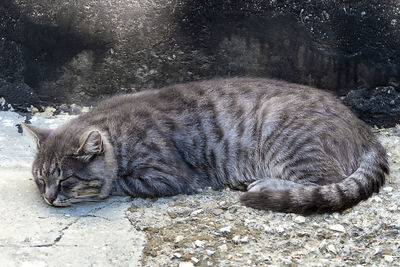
(207, 229)
(35, 234)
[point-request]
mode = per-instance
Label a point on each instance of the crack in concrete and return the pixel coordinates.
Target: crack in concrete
(95, 216)
(58, 238)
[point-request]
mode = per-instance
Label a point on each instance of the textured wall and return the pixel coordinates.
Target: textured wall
(77, 51)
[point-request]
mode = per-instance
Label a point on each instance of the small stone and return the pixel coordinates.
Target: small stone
(195, 260)
(393, 208)
(322, 246)
(332, 249)
(199, 243)
(338, 228)
(267, 228)
(376, 199)
(196, 212)
(287, 262)
(300, 219)
(186, 264)
(236, 238)
(245, 239)
(225, 230)
(389, 258)
(388, 189)
(223, 247)
(210, 252)
(176, 256)
(392, 103)
(218, 212)
(179, 238)
(229, 217)
(280, 229)
(265, 258)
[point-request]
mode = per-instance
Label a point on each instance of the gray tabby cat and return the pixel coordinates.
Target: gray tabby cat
(295, 148)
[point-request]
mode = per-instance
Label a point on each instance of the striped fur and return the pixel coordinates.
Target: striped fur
(299, 148)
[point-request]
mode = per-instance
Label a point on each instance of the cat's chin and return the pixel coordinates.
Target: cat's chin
(57, 203)
(65, 202)
(61, 204)
(71, 201)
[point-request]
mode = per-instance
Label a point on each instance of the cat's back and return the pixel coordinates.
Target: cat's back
(228, 90)
(228, 100)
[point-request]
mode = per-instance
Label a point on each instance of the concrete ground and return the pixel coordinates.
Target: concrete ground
(207, 229)
(35, 234)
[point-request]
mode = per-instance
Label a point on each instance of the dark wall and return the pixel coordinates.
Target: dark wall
(77, 51)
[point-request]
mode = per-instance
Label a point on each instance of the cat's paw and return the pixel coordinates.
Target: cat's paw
(255, 186)
(271, 184)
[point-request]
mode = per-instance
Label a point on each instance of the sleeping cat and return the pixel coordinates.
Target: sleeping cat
(296, 149)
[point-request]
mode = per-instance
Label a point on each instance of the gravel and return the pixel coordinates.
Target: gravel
(212, 229)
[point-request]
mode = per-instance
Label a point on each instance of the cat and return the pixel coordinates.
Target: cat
(295, 148)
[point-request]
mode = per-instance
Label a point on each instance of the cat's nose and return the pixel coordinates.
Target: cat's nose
(49, 200)
(51, 194)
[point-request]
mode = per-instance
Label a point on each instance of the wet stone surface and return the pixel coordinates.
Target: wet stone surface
(78, 51)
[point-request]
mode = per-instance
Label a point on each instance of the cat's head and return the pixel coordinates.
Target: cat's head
(72, 164)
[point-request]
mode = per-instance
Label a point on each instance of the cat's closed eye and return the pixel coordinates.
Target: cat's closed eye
(41, 184)
(56, 172)
(69, 182)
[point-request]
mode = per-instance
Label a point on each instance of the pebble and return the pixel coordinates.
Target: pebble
(229, 217)
(245, 239)
(337, 227)
(199, 243)
(376, 199)
(300, 219)
(393, 208)
(218, 212)
(223, 247)
(267, 228)
(322, 245)
(331, 248)
(280, 229)
(186, 264)
(225, 230)
(196, 212)
(236, 238)
(176, 255)
(210, 252)
(388, 189)
(195, 260)
(389, 258)
(179, 238)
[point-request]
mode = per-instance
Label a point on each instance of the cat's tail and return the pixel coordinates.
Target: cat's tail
(336, 197)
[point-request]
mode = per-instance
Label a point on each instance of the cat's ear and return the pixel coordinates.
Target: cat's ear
(40, 134)
(91, 143)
